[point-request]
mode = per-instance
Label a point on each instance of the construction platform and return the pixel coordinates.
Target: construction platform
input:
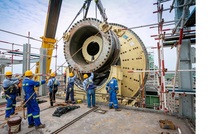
(100, 120)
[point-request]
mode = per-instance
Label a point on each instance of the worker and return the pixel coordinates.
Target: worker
(52, 84)
(33, 110)
(10, 92)
(89, 87)
(112, 89)
(70, 88)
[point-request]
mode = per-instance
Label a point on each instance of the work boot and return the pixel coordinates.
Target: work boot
(117, 109)
(14, 114)
(110, 107)
(31, 125)
(6, 118)
(40, 126)
(51, 104)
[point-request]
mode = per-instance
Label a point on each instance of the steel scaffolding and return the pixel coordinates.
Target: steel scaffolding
(177, 34)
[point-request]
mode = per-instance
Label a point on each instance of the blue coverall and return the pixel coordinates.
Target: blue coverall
(52, 84)
(10, 92)
(70, 89)
(33, 110)
(90, 89)
(111, 88)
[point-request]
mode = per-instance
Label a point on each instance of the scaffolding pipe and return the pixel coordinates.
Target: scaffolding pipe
(163, 25)
(16, 44)
(10, 43)
(155, 35)
(160, 2)
(184, 36)
(12, 58)
(164, 107)
(29, 52)
(148, 25)
(10, 55)
(185, 5)
(20, 35)
(33, 66)
(174, 30)
(159, 64)
(56, 59)
(34, 55)
(139, 71)
(171, 7)
(5, 49)
(161, 57)
(56, 55)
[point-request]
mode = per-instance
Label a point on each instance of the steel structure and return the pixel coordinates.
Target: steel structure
(182, 37)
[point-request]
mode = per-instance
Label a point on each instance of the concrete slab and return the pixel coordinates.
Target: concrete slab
(127, 121)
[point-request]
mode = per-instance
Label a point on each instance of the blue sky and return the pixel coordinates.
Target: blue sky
(23, 16)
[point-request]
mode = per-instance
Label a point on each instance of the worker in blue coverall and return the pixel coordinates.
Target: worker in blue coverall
(33, 110)
(112, 89)
(52, 84)
(10, 91)
(89, 87)
(70, 88)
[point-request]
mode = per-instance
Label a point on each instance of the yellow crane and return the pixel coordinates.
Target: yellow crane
(48, 40)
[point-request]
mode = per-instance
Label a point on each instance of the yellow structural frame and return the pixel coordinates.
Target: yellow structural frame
(48, 44)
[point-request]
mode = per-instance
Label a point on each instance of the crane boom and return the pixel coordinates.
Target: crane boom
(52, 18)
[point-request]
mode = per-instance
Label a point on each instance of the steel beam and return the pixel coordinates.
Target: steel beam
(26, 61)
(43, 62)
(186, 103)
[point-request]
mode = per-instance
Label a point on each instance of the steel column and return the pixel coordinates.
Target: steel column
(186, 103)
(26, 60)
(26, 57)
(43, 62)
(2, 71)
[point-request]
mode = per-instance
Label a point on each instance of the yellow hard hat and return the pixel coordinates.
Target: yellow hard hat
(52, 75)
(28, 73)
(8, 73)
(85, 76)
(71, 74)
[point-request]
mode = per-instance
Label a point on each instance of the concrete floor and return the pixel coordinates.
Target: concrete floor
(127, 121)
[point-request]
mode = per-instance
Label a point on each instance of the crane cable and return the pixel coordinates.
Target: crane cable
(84, 5)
